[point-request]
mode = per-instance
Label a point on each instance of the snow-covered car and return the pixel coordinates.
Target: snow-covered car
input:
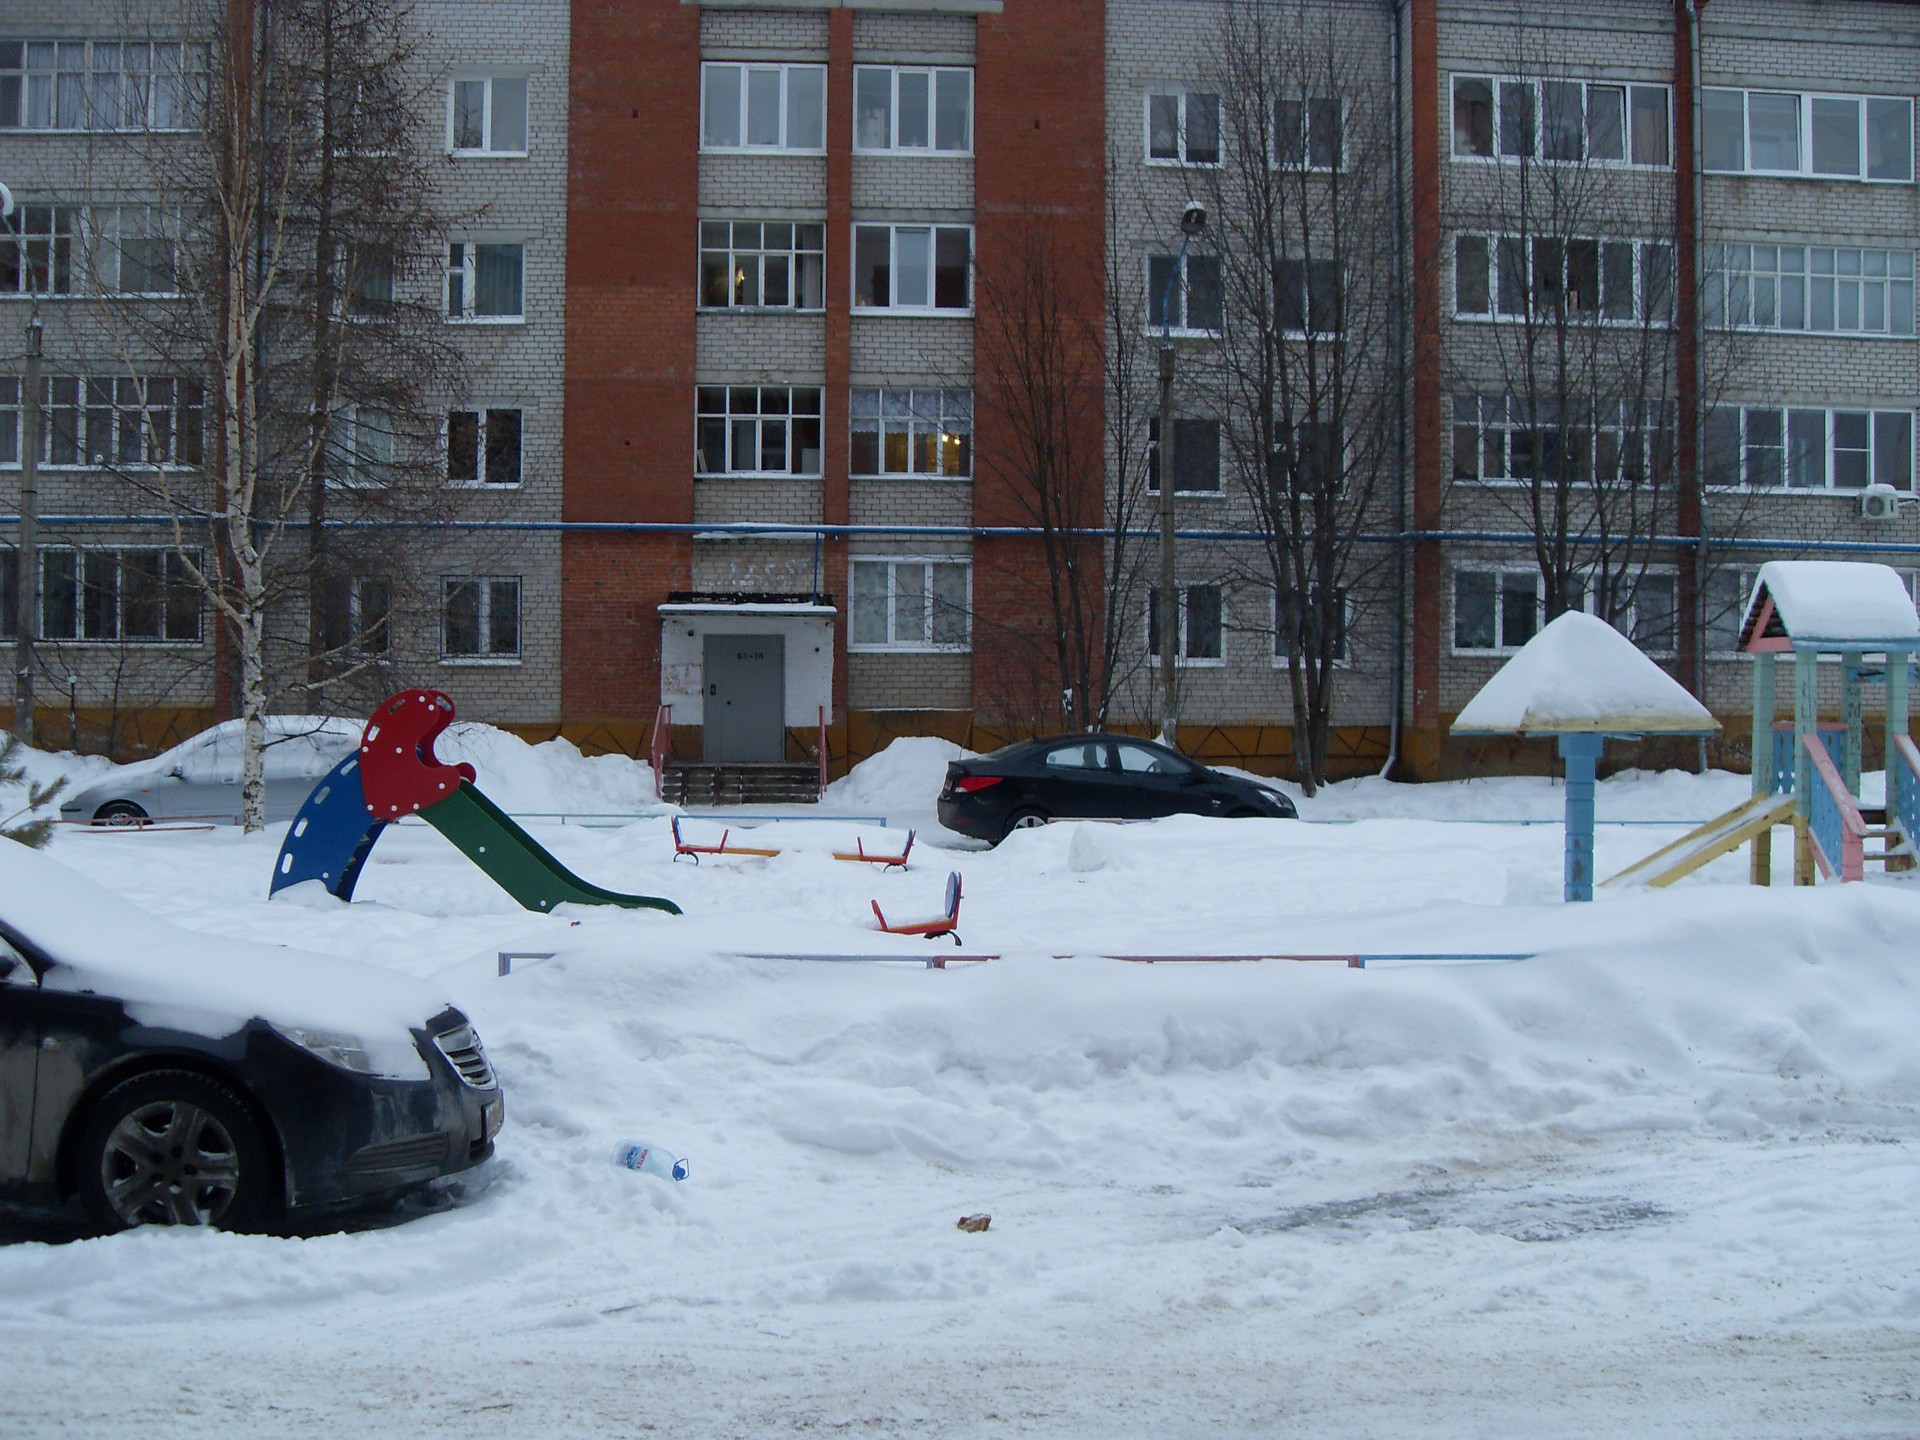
(200, 778)
(158, 1075)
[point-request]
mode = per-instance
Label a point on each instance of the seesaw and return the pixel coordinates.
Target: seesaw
(396, 774)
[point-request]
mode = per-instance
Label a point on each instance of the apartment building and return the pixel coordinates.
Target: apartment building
(733, 457)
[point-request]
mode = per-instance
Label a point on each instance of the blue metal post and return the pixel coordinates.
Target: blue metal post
(1581, 755)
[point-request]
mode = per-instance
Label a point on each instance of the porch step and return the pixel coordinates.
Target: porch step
(695, 782)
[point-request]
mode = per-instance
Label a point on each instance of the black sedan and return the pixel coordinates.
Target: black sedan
(1091, 777)
(162, 1076)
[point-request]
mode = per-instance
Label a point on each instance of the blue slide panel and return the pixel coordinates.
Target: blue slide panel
(332, 835)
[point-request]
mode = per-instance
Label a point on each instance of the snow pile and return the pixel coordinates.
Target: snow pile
(1579, 673)
(550, 777)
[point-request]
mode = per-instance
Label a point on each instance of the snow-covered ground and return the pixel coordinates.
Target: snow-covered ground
(1657, 1180)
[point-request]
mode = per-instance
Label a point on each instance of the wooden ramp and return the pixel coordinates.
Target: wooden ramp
(1717, 837)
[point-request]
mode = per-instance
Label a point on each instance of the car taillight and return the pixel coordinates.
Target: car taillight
(967, 784)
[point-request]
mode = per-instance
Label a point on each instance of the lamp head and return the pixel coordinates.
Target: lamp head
(6, 202)
(1193, 219)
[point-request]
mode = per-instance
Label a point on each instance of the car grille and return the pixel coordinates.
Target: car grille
(462, 1047)
(399, 1155)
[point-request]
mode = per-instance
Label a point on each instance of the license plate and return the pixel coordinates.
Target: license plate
(491, 1116)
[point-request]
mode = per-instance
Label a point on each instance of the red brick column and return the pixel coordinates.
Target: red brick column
(632, 213)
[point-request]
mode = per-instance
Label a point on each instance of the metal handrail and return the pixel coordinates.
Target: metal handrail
(659, 747)
(1834, 821)
(822, 750)
(1908, 816)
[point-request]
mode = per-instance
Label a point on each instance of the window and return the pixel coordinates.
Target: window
(1564, 121)
(1306, 297)
(1196, 455)
(1817, 288)
(776, 264)
(484, 280)
(9, 592)
(1766, 447)
(763, 107)
(1183, 129)
(911, 604)
(758, 430)
(1614, 442)
(1308, 134)
(99, 84)
(897, 108)
(135, 250)
(483, 447)
(355, 615)
(126, 421)
(1495, 609)
(1314, 461)
(36, 250)
(1615, 282)
(913, 267)
(912, 432)
(369, 279)
(1845, 137)
(119, 594)
(366, 448)
(1297, 625)
(480, 618)
(487, 115)
(1188, 299)
(1199, 629)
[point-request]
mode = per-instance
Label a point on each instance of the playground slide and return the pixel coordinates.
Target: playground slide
(1719, 836)
(396, 773)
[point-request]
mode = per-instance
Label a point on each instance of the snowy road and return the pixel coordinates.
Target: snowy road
(1658, 1181)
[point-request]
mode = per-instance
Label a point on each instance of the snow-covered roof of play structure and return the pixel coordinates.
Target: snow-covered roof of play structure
(1840, 604)
(1580, 675)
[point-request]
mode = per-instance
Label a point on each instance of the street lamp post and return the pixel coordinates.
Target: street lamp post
(1193, 221)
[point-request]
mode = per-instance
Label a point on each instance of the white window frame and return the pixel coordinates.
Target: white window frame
(1537, 155)
(175, 577)
(1307, 307)
(897, 643)
(358, 591)
(483, 431)
(1156, 296)
(728, 417)
(358, 470)
(1499, 245)
(1655, 440)
(1180, 158)
(1342, 660)
(58, 236)
(893, 145)
(1805, 101)
(105, 234)
(1829, 447)
(786, 73)
(1310, 107)
(484, 620)
(894, 230)
(114, 401)
(1219, 489)
(468, 246)
(184, 67)
(1502, 644)
(1740, 273)
(1183, 634)
(490, 79)
(940, 413)
(756, 255)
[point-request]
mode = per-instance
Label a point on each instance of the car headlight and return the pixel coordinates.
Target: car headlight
(392, 1060)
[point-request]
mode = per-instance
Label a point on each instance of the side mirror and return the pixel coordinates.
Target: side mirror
(176, 773)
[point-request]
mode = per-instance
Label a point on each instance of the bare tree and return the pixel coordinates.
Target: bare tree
(1306, 375)
(276, 304)
(1060, 356)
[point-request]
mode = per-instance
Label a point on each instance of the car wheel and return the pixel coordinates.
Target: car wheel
(174, 1148)
(1024, 820)
(119, 812)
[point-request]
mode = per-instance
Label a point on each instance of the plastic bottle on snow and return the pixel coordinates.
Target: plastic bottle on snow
(639, 1155)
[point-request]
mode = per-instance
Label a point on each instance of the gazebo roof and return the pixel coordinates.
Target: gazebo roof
(1829, 605)
(1579, 675)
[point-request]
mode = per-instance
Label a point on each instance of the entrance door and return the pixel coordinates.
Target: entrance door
(746, 700)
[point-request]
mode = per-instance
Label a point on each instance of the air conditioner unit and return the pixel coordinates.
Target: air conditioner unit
(1879, 502)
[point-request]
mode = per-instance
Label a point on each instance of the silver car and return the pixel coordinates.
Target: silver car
(200, 778)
